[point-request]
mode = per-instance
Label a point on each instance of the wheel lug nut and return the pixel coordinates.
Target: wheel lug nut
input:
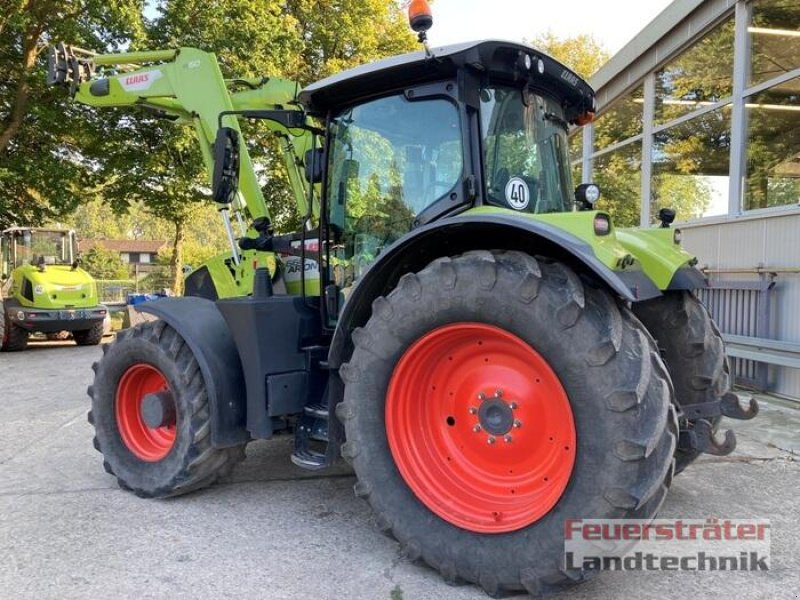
(481, 396)
(498, 393)
(507, 438)
(473, 410)
(517, 423)
(491, 440)
(476, 429)
(513, 406)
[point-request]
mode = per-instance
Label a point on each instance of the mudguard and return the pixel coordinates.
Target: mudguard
(201, 325)
(455, 235)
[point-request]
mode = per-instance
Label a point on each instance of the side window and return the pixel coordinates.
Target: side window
(390, 160)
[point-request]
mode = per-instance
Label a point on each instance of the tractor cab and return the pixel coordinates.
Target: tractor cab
(419, 138)
(433, 133)
(37, 247)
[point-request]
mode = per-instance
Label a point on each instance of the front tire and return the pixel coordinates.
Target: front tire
(693, 350)
(602, 400)
(175, 457)
(89, 337)
(15, 339)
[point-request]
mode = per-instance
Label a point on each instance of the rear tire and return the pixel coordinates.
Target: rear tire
(89, 337)
(155, 462)
(617, 388)
(693, 350)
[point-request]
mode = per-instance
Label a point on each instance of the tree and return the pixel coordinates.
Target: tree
(104, 264)
(159, 165)
(73, 154)
(39, 176)
(339, 34)
(581, 53)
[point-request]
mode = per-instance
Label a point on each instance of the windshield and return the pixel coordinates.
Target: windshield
(526, 163)
(42, 248)
(390, 160)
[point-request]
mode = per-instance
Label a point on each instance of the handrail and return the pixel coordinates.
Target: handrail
(774, 352)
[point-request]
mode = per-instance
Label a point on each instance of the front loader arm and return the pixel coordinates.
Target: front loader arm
(186, 84)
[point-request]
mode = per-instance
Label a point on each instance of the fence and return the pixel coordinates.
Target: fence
(115, 291)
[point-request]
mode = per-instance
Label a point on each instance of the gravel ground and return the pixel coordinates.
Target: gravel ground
(274, 531)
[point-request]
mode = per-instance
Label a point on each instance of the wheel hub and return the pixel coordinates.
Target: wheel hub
(480, 427)
(158, 409)
(496, 417)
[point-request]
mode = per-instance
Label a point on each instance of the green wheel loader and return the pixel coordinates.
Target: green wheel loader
(491, 354)
(44, 289)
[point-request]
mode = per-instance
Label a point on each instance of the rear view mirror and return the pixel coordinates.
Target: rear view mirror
(225, 179)
(315, 165)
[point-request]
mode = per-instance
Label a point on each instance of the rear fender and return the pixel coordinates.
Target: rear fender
(200, 324)
(453, 236)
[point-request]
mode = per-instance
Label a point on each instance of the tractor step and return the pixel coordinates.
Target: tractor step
(317, 356)
(308, 459)
(318, 411)
(319, 430)
(311, 426)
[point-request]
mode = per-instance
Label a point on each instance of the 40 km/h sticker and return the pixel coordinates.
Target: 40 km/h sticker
(518, 195)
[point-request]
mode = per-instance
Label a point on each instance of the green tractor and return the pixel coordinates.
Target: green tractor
(45, 290)
(490, 353)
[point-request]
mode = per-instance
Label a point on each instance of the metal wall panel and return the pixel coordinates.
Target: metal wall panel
(772, 241)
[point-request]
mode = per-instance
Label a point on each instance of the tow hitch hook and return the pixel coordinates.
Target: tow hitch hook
(730, 407)
(700, 436)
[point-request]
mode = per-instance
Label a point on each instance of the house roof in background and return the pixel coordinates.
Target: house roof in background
(142, 246)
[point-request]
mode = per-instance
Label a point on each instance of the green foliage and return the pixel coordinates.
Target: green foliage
(104, 264)
(41, 174)
(159, 279)
(581, 53)
(55, 155)
(339, 34)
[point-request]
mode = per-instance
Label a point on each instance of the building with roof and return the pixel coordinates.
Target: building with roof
(139, 255)
(701, 113)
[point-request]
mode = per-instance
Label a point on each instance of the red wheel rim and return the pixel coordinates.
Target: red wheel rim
(146, 443)
(450, 449)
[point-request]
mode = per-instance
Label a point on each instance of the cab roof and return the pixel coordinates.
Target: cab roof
(35, 229)
(500, 60)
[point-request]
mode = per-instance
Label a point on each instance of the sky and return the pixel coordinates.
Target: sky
(612, 22)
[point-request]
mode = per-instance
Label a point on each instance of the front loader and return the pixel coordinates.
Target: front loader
(491, 354)
(186, 86)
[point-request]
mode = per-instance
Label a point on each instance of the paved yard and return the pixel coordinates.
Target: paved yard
(274, 531)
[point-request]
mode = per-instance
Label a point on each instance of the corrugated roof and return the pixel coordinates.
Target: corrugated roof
(146, 246)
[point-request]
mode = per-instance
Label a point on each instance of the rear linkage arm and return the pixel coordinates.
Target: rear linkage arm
(700, 436)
